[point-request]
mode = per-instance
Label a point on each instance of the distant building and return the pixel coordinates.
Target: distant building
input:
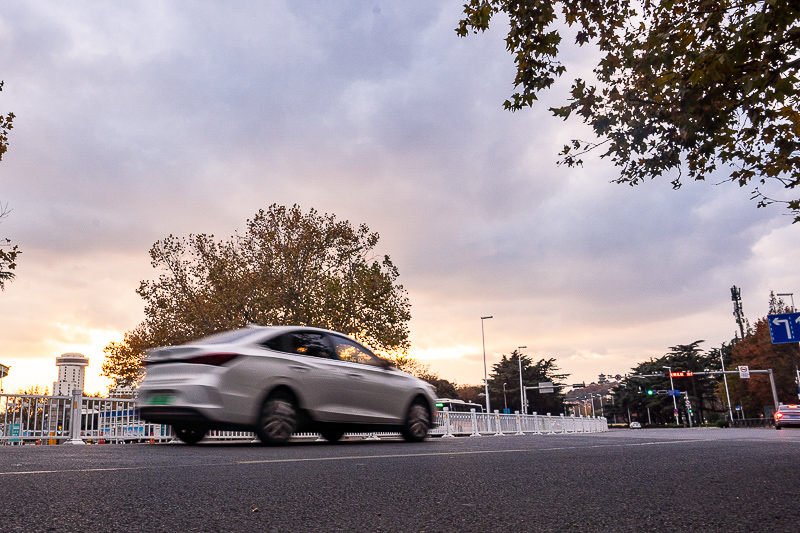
(71, 373)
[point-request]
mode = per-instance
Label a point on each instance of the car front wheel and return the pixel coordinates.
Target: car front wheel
(277, 419)
(418, 422)
(190, 435)
(332, 434)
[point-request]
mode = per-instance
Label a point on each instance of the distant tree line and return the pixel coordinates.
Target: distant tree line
(707, 393)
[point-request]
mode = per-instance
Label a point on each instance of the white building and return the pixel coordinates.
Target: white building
(70, 373)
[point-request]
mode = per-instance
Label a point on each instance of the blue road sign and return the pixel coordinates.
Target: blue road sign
(674, 392)
(784, 327)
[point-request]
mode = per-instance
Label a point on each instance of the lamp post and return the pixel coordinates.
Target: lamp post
(725, 377)
(505, 402)
(522, 396)
(671, 386)
(485, 373)
(790, 295)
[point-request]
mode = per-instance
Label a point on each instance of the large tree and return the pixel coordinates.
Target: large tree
(289, 267)
(757, 351)
(506, 371)
(693, 86)
(8, 253)
(631, 394)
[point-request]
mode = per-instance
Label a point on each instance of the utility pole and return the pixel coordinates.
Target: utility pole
(725, 377)
(736, 297)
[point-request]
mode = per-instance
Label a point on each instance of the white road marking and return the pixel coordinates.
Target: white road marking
(343, 458)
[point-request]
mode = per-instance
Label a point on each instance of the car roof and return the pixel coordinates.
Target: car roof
(236, 335)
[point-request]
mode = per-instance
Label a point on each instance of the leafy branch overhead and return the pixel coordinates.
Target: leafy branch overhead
(681, 86)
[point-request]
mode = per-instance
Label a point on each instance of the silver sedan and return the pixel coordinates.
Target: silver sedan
(277, 381)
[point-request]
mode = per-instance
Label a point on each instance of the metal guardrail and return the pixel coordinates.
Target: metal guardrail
(39, 419)
(453, 424)
(753, 423)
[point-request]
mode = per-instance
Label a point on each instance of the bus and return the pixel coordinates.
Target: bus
(457, 406)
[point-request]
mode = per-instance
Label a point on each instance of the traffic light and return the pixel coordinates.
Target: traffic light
(650, 392)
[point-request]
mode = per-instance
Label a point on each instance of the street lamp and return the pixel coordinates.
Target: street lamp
(671, 386)
(789, 294)
(725, 377)
(485, 373)
(505, 403)
(602, 412)
(522, 396)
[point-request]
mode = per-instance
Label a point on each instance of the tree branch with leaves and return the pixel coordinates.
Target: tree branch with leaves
(687, 86)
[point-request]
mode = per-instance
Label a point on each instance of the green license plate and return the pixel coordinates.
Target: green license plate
(161, 400)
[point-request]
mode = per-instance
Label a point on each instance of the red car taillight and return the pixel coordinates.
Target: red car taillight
(214, 359)
(778, 415)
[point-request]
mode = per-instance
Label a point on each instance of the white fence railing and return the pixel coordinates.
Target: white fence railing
(37, 419)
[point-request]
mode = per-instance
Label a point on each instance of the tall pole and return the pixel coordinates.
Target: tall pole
(674, 403)
(736, 297)
(725, 377)
(485, 372)
(523, 397)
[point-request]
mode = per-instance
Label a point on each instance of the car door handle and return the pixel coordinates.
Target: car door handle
(299, 368)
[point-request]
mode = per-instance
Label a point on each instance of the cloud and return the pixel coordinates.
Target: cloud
(142, 120)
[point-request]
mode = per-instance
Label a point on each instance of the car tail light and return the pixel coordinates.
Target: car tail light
(778, 415)
(214, 359)
(792, 407)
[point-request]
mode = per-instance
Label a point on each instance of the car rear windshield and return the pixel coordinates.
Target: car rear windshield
(227, 336)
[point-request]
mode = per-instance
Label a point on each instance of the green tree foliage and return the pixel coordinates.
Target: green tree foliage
(8, 253)
(288, 267)
(507, 371)
(757, 352)
(631, 393)
(444, 388)
(470, 393)
(688, 86)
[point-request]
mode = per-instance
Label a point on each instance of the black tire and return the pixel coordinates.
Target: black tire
(277, 419)
(418, 422)
(190, 435)
(778, 427)
(332, 434)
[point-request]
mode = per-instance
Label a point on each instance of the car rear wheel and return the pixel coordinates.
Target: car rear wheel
(190, 435)
(777, 427)
(277, 419)
(332, 434)
(418, 422)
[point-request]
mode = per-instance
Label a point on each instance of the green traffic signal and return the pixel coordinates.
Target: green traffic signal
(650, 392)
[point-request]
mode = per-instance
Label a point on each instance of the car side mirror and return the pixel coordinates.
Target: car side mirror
(387, 364)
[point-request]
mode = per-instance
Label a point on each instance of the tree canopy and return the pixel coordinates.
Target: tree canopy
(631, 394)
(693, 86)
(288, 268)
(506, 371)
(8, 253)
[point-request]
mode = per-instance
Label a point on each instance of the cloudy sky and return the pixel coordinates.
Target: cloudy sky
(144, 119)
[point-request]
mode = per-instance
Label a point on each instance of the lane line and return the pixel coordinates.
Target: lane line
(343, 458)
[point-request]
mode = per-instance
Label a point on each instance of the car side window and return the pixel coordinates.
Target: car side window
(348, 350)
(302, 343)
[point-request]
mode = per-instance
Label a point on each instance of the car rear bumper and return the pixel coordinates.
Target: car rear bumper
(166, 414)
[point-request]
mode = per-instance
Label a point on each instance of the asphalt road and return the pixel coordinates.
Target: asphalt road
(624, 480)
